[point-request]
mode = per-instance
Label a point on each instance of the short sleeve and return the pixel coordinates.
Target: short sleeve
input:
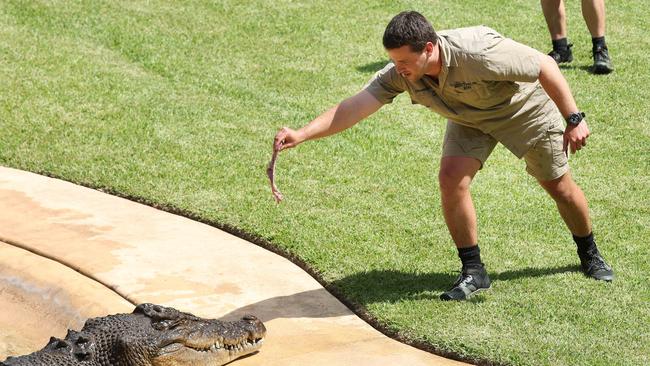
(386, 84)
(512, 61)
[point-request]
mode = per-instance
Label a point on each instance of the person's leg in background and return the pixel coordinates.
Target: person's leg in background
(593, 11)
(555, 15)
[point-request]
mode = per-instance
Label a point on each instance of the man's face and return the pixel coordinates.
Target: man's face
(411, 65)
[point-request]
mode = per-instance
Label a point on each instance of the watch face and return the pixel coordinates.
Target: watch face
(574, 119)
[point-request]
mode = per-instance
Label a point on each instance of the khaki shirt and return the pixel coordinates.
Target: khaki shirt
(487, 82)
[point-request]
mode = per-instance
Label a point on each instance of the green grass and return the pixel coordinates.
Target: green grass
(177, 103)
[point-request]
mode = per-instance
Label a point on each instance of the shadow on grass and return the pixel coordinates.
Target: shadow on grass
(588, 68)
(569, 67)
(393, 286)
(372, 67)
(533, 272)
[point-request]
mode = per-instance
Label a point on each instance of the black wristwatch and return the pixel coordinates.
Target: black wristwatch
(574, 119)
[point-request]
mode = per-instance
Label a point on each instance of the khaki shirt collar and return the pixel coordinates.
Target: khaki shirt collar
(448, 59)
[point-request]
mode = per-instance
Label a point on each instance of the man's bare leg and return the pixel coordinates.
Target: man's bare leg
(573, 208)
(593, 11)
(455, 177)
(555, 15)
(571, 204)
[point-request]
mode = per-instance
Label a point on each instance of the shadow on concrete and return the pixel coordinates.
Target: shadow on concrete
(372, 67)
(308, 304)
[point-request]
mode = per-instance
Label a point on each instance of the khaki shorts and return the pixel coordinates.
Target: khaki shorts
(545, 161)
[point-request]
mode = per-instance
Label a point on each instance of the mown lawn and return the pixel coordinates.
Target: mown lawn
(176, 103)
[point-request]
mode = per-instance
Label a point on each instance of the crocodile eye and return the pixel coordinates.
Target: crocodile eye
(160, 325)
(173, 324)
(166, 324)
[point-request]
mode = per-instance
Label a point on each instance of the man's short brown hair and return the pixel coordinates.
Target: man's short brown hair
(409, 28)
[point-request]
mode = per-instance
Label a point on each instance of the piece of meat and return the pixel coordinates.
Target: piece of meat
(270, 171)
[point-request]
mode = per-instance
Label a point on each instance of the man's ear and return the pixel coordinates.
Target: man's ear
(429, 47)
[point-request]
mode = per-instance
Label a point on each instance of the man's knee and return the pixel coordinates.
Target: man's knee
(456, 173)
(562, 189)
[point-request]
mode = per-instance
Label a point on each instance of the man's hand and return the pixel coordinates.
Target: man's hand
(336, 119)
(286, 138)
(576, 136)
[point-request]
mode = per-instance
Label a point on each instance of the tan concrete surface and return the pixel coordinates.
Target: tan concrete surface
(148, 255)
(40, 298)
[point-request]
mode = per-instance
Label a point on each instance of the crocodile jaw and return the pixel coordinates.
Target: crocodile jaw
(177, 354)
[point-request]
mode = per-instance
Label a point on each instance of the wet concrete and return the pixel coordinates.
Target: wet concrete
(40, 298)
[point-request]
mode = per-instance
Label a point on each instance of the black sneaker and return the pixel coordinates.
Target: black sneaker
(471, 281)
(594, 266)
(602, 62)
(562, 55)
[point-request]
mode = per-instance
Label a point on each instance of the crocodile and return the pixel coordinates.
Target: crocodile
(152, 335)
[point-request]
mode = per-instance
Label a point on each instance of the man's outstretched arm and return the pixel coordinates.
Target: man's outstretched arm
(338, 118)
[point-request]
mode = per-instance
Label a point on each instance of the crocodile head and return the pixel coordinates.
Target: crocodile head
(152, 335)
(184, 339)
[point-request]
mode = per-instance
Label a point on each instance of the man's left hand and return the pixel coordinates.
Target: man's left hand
(576, 136)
